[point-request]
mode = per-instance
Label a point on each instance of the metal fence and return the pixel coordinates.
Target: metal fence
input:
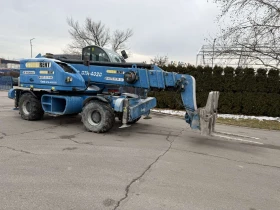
(6, 82)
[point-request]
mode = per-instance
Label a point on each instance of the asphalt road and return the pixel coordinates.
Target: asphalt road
(154, 164)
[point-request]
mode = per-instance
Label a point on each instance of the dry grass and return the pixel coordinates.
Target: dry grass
(251, 123)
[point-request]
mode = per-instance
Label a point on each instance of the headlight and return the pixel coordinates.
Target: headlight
(69, 79)
(130, 77)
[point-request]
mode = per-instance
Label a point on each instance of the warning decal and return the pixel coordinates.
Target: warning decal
(114, 79)
(45, 77)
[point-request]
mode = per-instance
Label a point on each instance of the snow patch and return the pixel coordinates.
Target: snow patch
(261, 118)
(169, 111)
(225, 116)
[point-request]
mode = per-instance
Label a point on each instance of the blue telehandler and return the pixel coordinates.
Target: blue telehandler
(95, 86)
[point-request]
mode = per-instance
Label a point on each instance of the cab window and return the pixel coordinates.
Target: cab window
(66, 68)
(115, 57)
(96, 54)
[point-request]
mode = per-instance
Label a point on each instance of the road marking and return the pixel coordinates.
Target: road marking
(237, 139)
(248, 137)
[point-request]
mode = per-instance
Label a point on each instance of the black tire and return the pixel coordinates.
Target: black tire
(98, 117)
(30, 107)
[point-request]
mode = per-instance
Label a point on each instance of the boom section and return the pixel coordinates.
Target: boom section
(155, 78)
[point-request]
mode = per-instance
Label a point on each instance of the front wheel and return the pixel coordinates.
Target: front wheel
(98, 117)
(30, 107)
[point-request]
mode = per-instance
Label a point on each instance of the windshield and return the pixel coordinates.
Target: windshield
(114, 57)
(66, 68)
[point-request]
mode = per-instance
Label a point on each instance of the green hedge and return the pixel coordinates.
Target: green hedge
(242, 91)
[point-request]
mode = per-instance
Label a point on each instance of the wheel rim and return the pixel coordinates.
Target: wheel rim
(94, 118)
(26, 107)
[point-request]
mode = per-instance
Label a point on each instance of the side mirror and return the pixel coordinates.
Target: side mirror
(86, 60)
(124, 55)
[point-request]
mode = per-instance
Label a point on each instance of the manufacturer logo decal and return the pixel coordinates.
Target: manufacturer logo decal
(38, 65)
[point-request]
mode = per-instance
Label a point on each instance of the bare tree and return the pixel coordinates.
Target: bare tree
(119, 38)
(95, 33)
(253, 32)
(160, 60)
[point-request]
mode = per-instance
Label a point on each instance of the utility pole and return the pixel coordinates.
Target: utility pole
(31, 46)
(213, 52)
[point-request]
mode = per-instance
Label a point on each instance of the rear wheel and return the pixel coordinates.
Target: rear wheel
(98, 117)
(30, 107)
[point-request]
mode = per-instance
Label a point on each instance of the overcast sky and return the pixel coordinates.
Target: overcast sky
(176, 28)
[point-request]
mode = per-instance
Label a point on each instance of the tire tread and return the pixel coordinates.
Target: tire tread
(108, 122)
(37, 111)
